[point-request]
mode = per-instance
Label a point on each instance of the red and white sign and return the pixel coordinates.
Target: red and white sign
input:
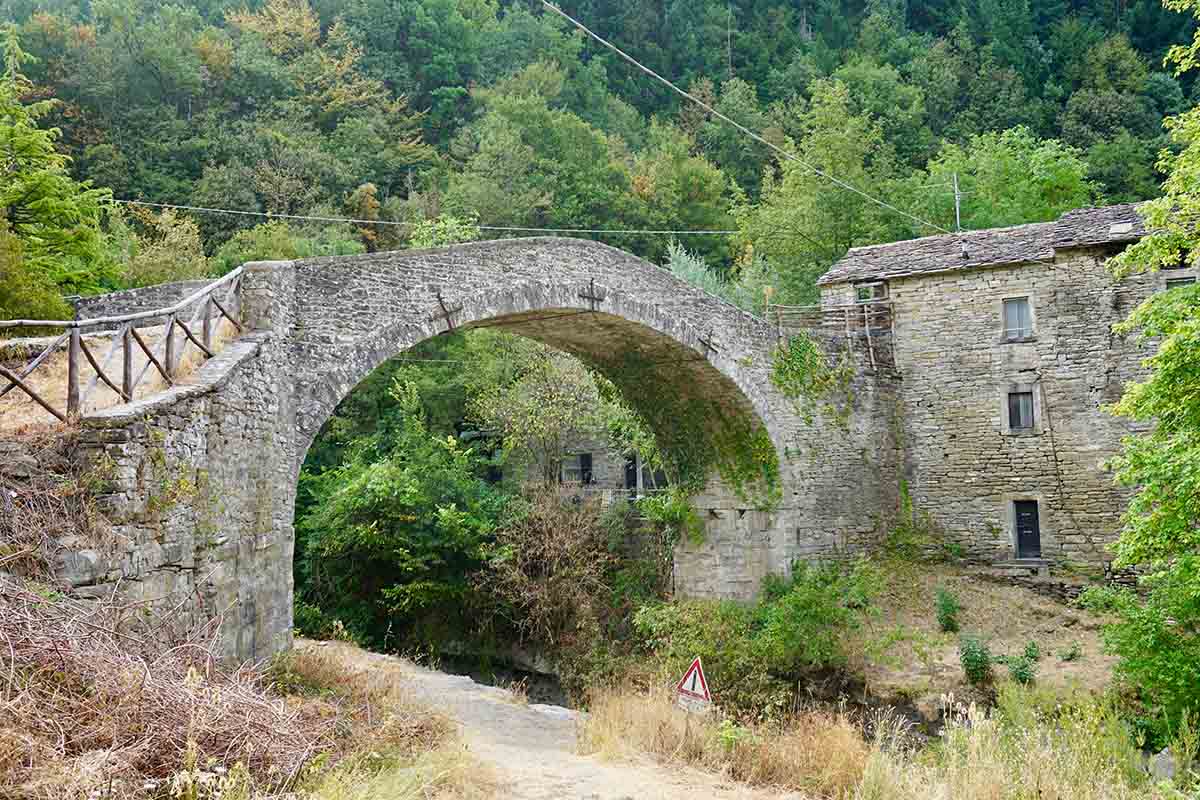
(692, 688)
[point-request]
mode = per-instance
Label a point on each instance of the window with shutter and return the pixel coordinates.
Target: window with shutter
(1018, 319)
(1020, 410)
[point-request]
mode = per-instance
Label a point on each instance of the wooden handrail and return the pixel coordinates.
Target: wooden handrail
(128, 335)
(121, 318)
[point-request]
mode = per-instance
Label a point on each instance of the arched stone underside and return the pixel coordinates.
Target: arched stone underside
(698, 367)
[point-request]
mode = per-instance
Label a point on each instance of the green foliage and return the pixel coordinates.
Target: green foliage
(281, 241)
(442, 231)
(54, 218)
(757, 653)
(1158, 636)
(1022, 669)
(1010, 177)
(1072, 653)
(947, 607)
(1032, 651)
(398, 528)
(802, 371)
(673, 511)
(976, 660)
(26, 291)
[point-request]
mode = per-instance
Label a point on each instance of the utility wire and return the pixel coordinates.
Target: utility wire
(790, 156)
(497, 228)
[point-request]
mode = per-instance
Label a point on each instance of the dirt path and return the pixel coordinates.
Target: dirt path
(532, 748)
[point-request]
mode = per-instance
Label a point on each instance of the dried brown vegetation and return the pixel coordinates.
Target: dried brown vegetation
(88, 704)
(46, 499)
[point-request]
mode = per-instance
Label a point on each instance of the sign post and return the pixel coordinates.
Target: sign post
(692, 690)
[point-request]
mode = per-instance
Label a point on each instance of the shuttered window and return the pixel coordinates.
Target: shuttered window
(1020, 410)
(1018, 321)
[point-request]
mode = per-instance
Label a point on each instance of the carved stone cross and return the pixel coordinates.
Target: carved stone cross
(592, 296)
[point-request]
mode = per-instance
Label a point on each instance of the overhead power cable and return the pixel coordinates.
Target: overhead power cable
(403, 224)
(495, 228)
(756, 137)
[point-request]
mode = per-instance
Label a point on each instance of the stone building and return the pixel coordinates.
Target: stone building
(1003, 344)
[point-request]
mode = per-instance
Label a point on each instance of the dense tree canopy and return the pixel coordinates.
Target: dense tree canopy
(400, 111)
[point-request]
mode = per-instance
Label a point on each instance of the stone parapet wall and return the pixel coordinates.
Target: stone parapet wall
(132, 301)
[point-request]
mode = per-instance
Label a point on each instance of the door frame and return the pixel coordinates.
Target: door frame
(1014, 537)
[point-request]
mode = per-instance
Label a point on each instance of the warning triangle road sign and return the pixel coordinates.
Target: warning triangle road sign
(693, 684)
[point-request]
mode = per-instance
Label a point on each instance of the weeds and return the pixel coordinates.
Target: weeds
(817, 752)
(976, 660)
(947, 608)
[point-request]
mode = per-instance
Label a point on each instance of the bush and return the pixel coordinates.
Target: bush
(1072, 653)
(1022, 669)
(976, 660)
(1032, 652)
(947, 607)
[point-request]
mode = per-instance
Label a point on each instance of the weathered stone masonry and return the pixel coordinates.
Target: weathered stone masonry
(963, 464)
(204, 475)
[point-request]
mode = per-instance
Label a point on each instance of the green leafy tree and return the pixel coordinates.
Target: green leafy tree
(803, 223)
(398, 528)
(1158, 638)
(55, 218)
(1008, 178)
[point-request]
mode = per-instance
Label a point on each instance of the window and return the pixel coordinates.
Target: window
(640, 480)
(577, 468)
(867, 292)
(1020, 411)
(1018, 320)
(1175, 283)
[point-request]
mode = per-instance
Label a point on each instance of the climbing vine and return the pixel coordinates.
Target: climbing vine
(697, 434)
(803, 372)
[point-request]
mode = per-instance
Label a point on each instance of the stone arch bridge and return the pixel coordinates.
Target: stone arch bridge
(203, 475)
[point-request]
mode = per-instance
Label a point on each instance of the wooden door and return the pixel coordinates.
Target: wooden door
(1029, 533)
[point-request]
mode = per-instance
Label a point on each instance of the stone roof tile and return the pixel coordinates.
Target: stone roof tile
(1019, 244)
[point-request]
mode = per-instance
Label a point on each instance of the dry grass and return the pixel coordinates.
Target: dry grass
(52, 507)
(1022, 749)
(86, 702)
(89, 708)
(924, 664)
(18, 411)
(816, 752)
(1084, 753)
(445, 773)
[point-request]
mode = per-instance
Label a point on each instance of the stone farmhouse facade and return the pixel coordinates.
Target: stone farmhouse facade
(1005, 356)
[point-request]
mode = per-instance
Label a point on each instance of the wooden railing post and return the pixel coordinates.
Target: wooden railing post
(73, 375)
(171, 355)
(127, 361)
(206, 336)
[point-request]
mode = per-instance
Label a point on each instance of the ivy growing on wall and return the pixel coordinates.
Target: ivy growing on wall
(802, 371)
(698, 435)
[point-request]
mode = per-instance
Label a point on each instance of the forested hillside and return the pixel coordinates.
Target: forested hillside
(501, 114)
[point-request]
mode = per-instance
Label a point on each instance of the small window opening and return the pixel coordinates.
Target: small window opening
(1018, 320)
(1176, 283)
(868, 292)
(577, 468)
(1020, 410)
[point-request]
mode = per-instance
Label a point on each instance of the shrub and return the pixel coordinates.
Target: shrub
(947, 607)
(553, 565)
(1072, 653)
(1032, 652)
(976, 660)
(1022, 669)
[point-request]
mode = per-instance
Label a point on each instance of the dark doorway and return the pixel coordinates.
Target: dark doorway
(1029, 532)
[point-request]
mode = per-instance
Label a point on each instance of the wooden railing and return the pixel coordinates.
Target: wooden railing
(864, 325)
(216, 302)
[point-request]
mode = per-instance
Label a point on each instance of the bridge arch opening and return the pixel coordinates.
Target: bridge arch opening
(698, 387)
